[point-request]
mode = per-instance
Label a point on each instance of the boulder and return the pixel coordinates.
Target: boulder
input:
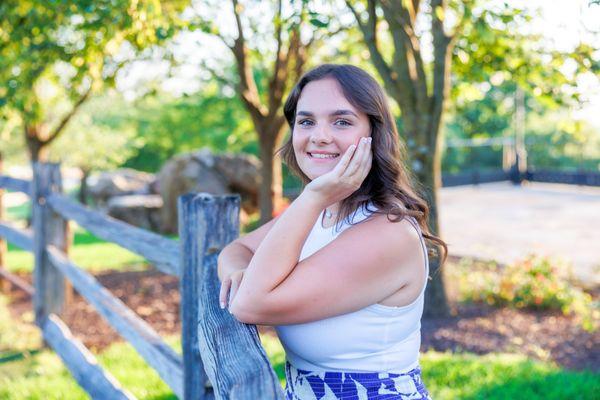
(203, 171)
(139, 210)
(120, 182)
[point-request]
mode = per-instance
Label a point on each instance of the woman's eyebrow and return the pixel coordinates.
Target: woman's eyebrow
(334, 113)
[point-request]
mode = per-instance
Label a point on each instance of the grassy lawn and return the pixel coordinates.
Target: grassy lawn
(27, 374)
(18, 213)
(88, 251)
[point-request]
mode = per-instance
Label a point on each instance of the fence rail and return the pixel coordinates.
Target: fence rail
(221, 357)
(81, 362)
(17, 185)
(477, 176)
(160, 251)
(135, 330)
(588, 178)
(22, 238)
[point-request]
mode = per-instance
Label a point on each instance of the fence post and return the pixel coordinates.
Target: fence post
(3, 247)
(206, 225)
(48, 229)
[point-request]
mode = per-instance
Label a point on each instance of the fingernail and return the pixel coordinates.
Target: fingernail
(222, 305)
(370, 139)
(364, 140)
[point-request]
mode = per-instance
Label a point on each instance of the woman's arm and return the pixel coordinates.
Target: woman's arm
(237, 254)
(279, 252)
(234, 257)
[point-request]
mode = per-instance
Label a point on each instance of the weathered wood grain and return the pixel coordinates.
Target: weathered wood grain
(157, 249)
(98, 383)
(17, 185)
(135, 330)
(50, 229)
(231, 352)
(22, 238)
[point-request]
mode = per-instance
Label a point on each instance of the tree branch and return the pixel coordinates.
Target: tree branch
(407, 19)
(279, 75)
(248, 89)
(220, 78)
(441, 68)
(68, 117)
(369, 30)
(406, 75)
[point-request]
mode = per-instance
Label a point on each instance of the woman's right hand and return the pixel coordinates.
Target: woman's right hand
(229, 287)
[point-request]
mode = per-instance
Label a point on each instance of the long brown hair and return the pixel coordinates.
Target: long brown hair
(389, 184)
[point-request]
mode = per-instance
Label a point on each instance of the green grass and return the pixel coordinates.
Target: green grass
(26, 372)
(18, 213)
(29, 375)
(88, 252)
(503, 376)
(43, 376)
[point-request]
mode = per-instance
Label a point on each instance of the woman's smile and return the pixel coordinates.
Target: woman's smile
(322, 157)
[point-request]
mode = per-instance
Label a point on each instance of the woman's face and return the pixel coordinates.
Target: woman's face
(326, 125)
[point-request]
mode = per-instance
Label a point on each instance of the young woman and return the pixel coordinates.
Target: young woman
(341, 273)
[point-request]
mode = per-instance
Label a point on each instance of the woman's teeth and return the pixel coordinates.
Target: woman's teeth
(323, 155)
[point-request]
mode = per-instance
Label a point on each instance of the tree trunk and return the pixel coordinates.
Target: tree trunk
(270, 193)
(429, 175)
(38, 149)
(83, 188)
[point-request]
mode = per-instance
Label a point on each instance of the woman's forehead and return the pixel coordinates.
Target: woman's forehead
(324, 97)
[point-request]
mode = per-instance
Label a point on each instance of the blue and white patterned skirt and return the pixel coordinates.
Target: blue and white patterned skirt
(309, 385)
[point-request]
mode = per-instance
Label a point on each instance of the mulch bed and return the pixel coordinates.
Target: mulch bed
(480, 329)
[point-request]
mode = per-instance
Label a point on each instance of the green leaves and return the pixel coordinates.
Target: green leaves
(73, 43)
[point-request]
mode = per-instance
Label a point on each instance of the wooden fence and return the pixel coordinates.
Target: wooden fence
(222, 358)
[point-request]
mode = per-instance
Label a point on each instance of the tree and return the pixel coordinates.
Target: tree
(92, 142)
(75, 44)
(264, 74)
(458, 30)
(420, 92)
(169, 125)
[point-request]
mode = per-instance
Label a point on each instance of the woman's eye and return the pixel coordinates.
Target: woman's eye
(343, 122)
(304, 122)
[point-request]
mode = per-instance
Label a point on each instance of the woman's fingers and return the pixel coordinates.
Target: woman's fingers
(225, 285)
(235, 284)
(365, 165)
(360, 156)
(345, 160)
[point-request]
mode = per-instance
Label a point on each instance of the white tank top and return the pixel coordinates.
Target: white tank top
(377, 338)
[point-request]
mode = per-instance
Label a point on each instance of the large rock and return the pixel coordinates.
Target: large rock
(139, 210)
(203, 171)
(120, 182)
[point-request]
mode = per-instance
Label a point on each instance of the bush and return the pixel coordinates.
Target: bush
(533, 283)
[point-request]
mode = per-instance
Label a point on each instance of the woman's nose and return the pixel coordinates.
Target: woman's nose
(320, 135)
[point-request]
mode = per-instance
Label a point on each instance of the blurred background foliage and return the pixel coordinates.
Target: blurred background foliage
(492, 57)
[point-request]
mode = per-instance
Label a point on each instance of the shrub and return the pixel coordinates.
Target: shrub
(535, 283)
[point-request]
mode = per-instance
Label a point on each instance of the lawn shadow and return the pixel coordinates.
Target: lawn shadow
(16, 356)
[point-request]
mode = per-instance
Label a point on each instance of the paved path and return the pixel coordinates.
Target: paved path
(505, 222)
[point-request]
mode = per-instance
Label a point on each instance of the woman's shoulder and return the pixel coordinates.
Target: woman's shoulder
(378, 225)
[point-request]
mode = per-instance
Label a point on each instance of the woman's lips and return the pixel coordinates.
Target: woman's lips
(322, 159)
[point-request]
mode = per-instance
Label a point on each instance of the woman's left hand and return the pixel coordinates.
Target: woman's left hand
(346, 177)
